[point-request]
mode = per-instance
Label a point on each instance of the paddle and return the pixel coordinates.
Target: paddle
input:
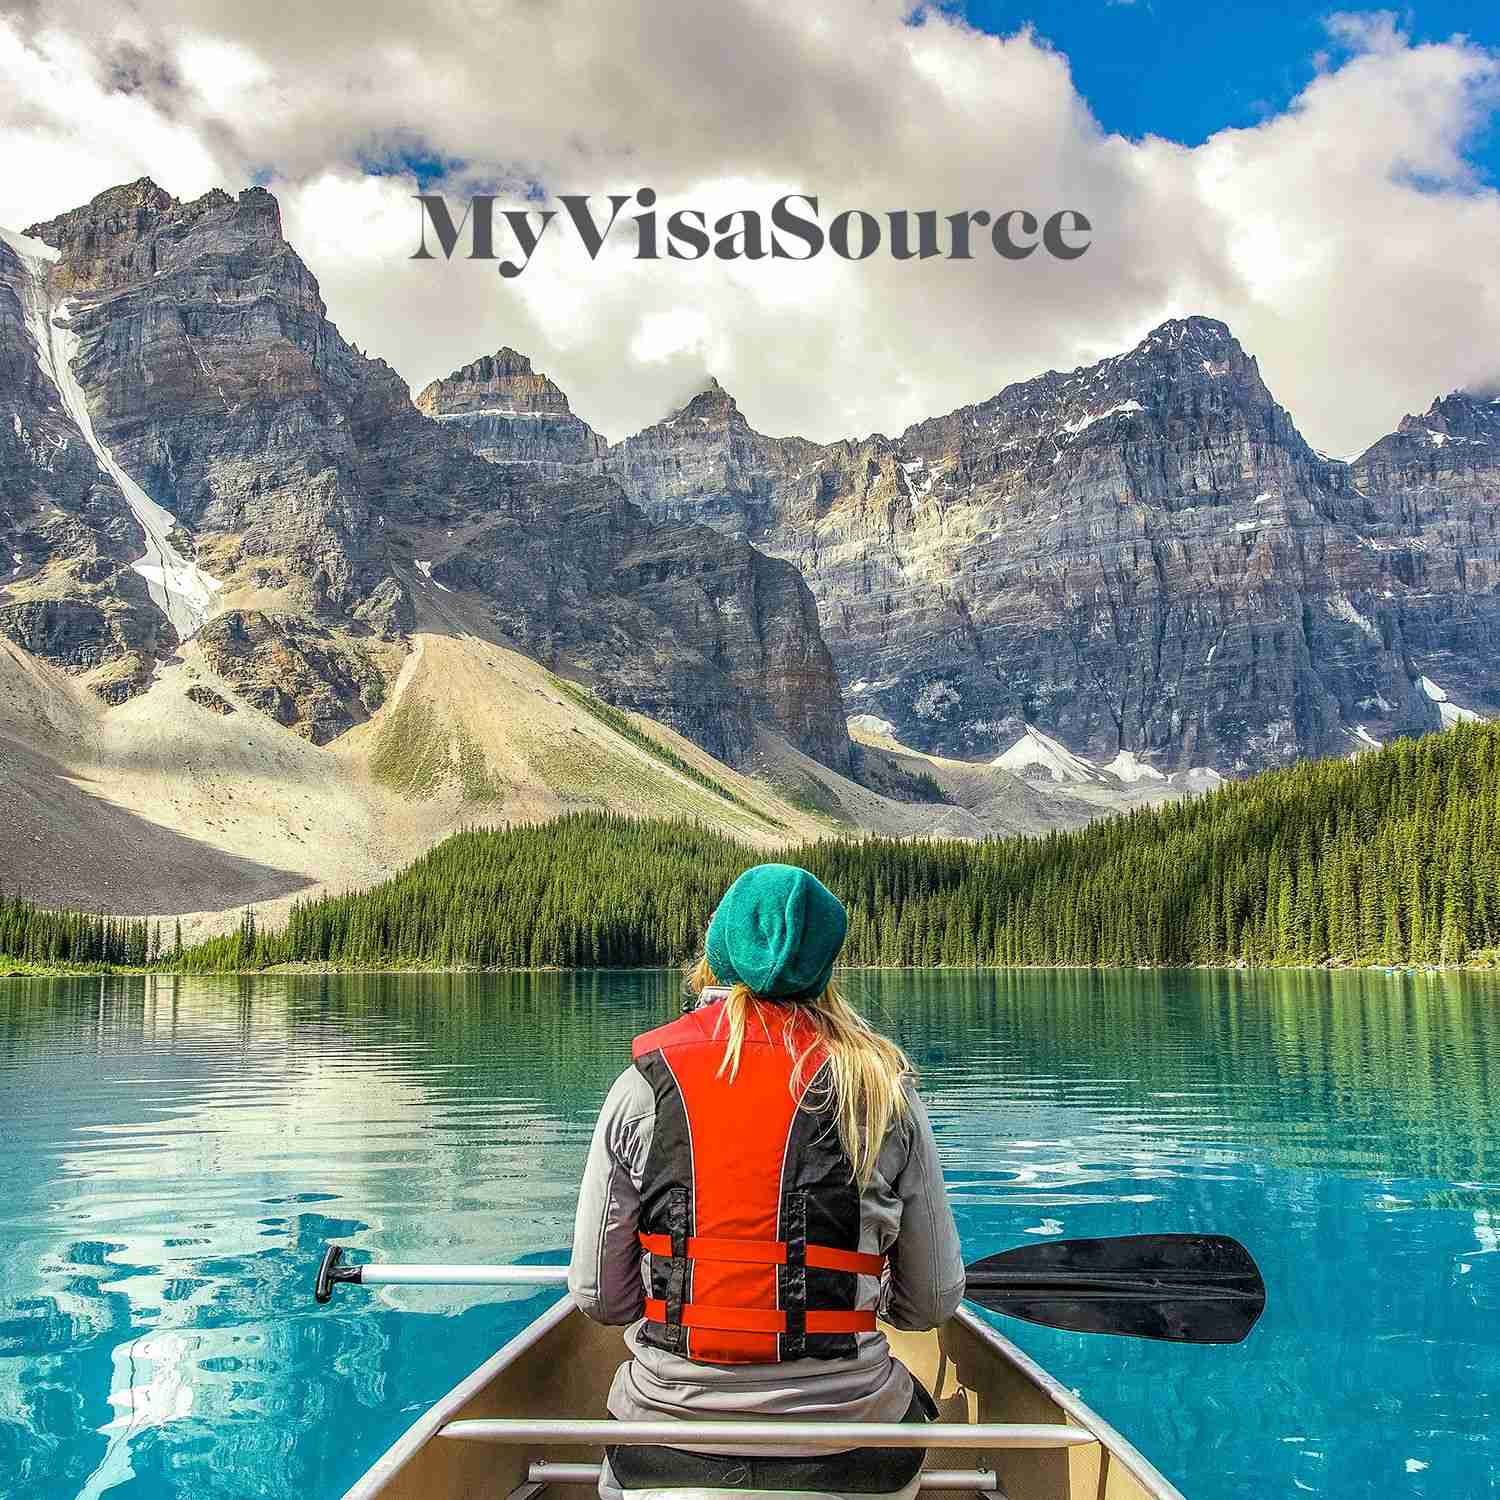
(1188, 1288)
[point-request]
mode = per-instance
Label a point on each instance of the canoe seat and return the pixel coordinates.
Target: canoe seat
(654, 1468)
(858, 1471)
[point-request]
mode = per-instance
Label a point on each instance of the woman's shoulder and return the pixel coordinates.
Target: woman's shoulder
(915, 1120)
(904, 1124)
(912, 1093)
(630, 1093)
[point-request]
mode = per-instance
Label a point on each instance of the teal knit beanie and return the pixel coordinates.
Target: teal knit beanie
(777, 931)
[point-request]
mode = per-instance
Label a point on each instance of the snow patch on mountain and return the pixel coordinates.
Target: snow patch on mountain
(481, 411)
(1448, 711)
(29, 249)
(1119, 409)
(871, 724)
(1037, 753)
(1129, 767)
(1342, 607)
(178, 587)
(935, 699)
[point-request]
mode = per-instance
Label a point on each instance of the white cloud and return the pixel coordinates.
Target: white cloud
(1366, 31)
(1345, 240)
(65, 133)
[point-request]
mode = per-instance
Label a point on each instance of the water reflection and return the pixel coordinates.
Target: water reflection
(180, 1151)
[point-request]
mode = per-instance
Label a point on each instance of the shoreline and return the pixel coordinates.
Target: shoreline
(21, 969)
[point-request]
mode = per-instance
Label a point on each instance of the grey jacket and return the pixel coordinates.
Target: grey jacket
(904, 1215)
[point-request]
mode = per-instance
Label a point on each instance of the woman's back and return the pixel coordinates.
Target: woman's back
(735, 1208)
(760, 1187)
(633, 1185)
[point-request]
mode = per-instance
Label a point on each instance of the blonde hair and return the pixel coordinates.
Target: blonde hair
(864, 1069)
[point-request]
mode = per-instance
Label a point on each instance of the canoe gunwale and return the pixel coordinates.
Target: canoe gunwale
(374, 1479)
(1158, 1486)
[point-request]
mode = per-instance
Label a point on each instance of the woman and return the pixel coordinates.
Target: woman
(761, 1180)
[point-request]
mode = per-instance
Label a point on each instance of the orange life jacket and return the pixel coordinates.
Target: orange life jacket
(749, 1213)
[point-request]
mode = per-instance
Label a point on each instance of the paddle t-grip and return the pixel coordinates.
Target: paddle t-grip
(332, 1271)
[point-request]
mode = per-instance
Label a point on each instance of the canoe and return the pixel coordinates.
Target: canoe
(530, 1421)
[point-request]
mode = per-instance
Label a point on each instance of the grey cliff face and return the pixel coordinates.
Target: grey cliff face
(664, 618)
(1431, 492)
(67, 537)
(215, 379)
(1144, 555)
(307, 484)
(508, 413)
(706, 463)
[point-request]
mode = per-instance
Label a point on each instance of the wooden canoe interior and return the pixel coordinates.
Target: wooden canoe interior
(567, 1363)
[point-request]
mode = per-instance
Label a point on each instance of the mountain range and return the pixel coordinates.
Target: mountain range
(270, 623)
(1141, 557)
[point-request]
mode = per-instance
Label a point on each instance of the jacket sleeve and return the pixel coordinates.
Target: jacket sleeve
(926, 1263)
(604, 1275)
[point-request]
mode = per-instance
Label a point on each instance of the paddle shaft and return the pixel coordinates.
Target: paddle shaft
(439, 1275)
(334, 1269)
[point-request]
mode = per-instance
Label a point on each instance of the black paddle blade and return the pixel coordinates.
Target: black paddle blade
(1189, 1288)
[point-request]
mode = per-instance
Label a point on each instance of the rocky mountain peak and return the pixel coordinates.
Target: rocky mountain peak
(1187, 372)
(1196, 329)
(99, 239)
(1141, 554)
(506, 361)
(1190, 348)
(504, 381)
(1456, 442)
(131, 205)
(127, 235)
(197, 404)
(713, 406)
(509, 413)
(1456, 416)
(706, 462)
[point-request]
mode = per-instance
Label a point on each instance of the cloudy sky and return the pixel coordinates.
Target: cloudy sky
(1327, 186)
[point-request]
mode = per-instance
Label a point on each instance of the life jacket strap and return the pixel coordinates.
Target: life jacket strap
(759, 1319)
(766, 1253)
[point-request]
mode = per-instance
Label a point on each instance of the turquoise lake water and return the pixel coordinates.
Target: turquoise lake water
(178, 1151)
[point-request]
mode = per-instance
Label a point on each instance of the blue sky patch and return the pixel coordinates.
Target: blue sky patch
(1185, 70)
(414, 159)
